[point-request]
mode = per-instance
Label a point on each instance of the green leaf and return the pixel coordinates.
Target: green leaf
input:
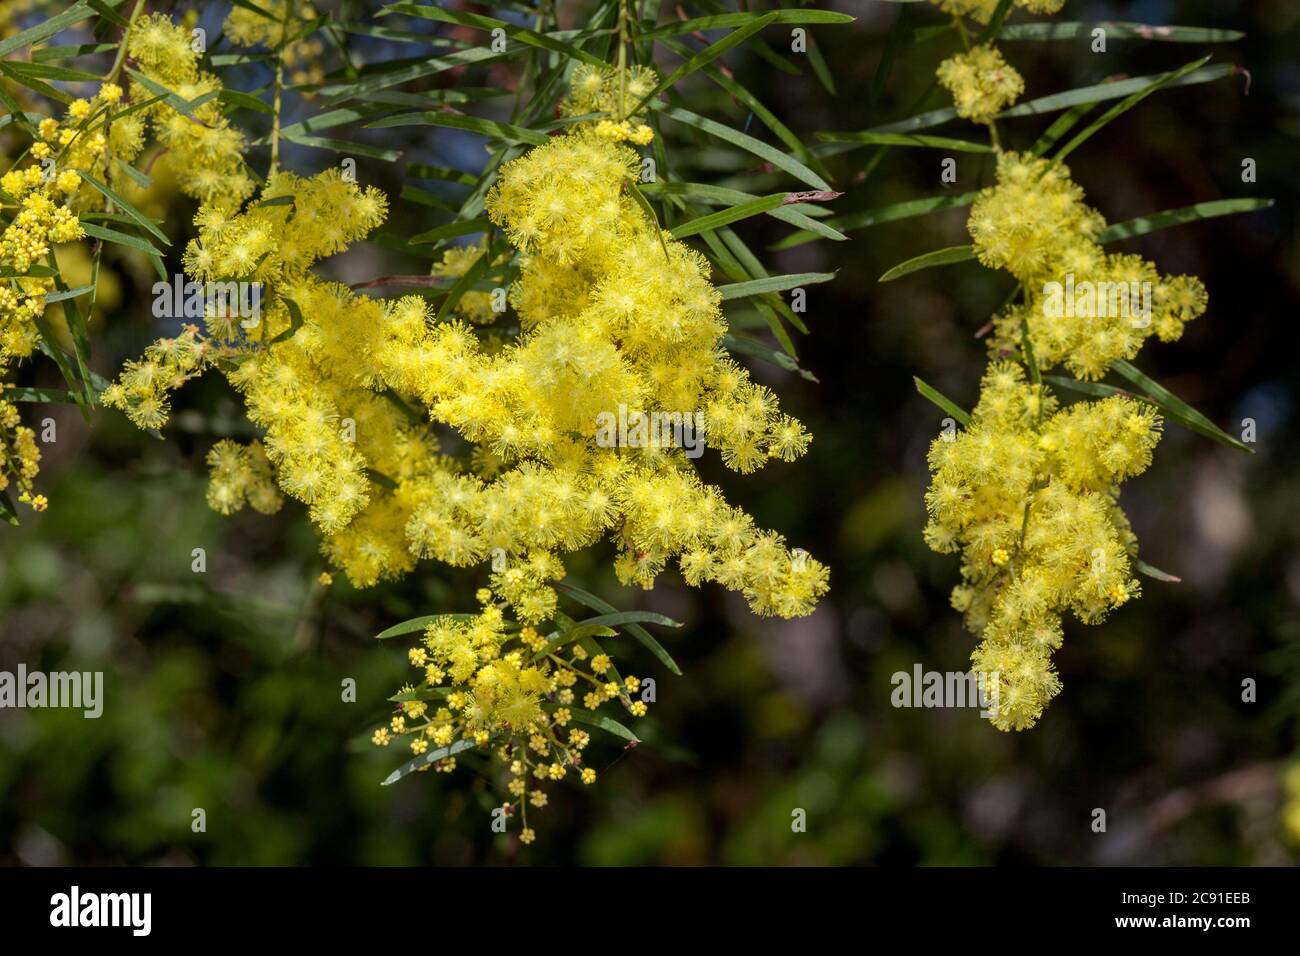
(1055, 102)
(171, 98)
(945, 403)
(295, 320)
(245, 101)
(514, 31)
(1153, 572)
(868, 138)
(59, 296)
(1175, 408)
(419, 624)
(725, 21)
(136, 176)
(786, 212)
(636, 630)
(744, 345)
(1117, 30)
(122, 239)
(59, 396)
(739, 290)
(600, 721)
(427, 758)
(139, 217)
(995, 21)
(466, 281)
(599, 626)
(1115, 90)
(872, 217)
(1127, 104)
(1062, 125)
(706, 56)
(723, 217)
(746, 142)
(348, 146)
(43, 31)
(639, 198)
(473, 124)
(359, 89)
(7, 510)
(461, 227)
(939, 257)
(1177, 217)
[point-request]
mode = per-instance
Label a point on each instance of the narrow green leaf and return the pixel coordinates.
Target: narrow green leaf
(7, 510)
(1127, 104)
(744, 345)
(1117, 30)
(707, 56)
(466, 281)
(939, 257)
(867, 138)
(473, 124)
(746, 142)
(725, 21)
(739, 290)
(1153, 572)
(420, 624)
(600, 721)
(140, 218)
(1177, 217)
(43, 31)
(58, 396)
(1175, 408)
(636, 630)
(938, 398)
(1062, 125)
(639, 198)
(427, 758)
(1055, 102)
(59, 296)
(786, 212)
(891, 213)
(512, 30)
(348, 146)
(461, 227)
(723, 217)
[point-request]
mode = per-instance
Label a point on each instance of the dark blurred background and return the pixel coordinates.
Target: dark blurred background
(223, 691)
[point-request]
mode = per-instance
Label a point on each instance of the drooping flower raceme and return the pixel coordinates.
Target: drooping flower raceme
(1028, 491)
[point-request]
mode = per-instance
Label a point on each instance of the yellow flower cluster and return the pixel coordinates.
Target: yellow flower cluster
(19, 456)
(1027, 493)
(982, 10)
(1291, 801)
(241, 474)
(488, 683)
(599, 89)
(475, 305)
(1084, 307)
(981, 82)
(280, 20)
(204, 149)
(612, 316)
(143, 388)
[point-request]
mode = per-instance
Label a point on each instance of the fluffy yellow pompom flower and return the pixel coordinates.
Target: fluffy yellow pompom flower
(981, 82)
